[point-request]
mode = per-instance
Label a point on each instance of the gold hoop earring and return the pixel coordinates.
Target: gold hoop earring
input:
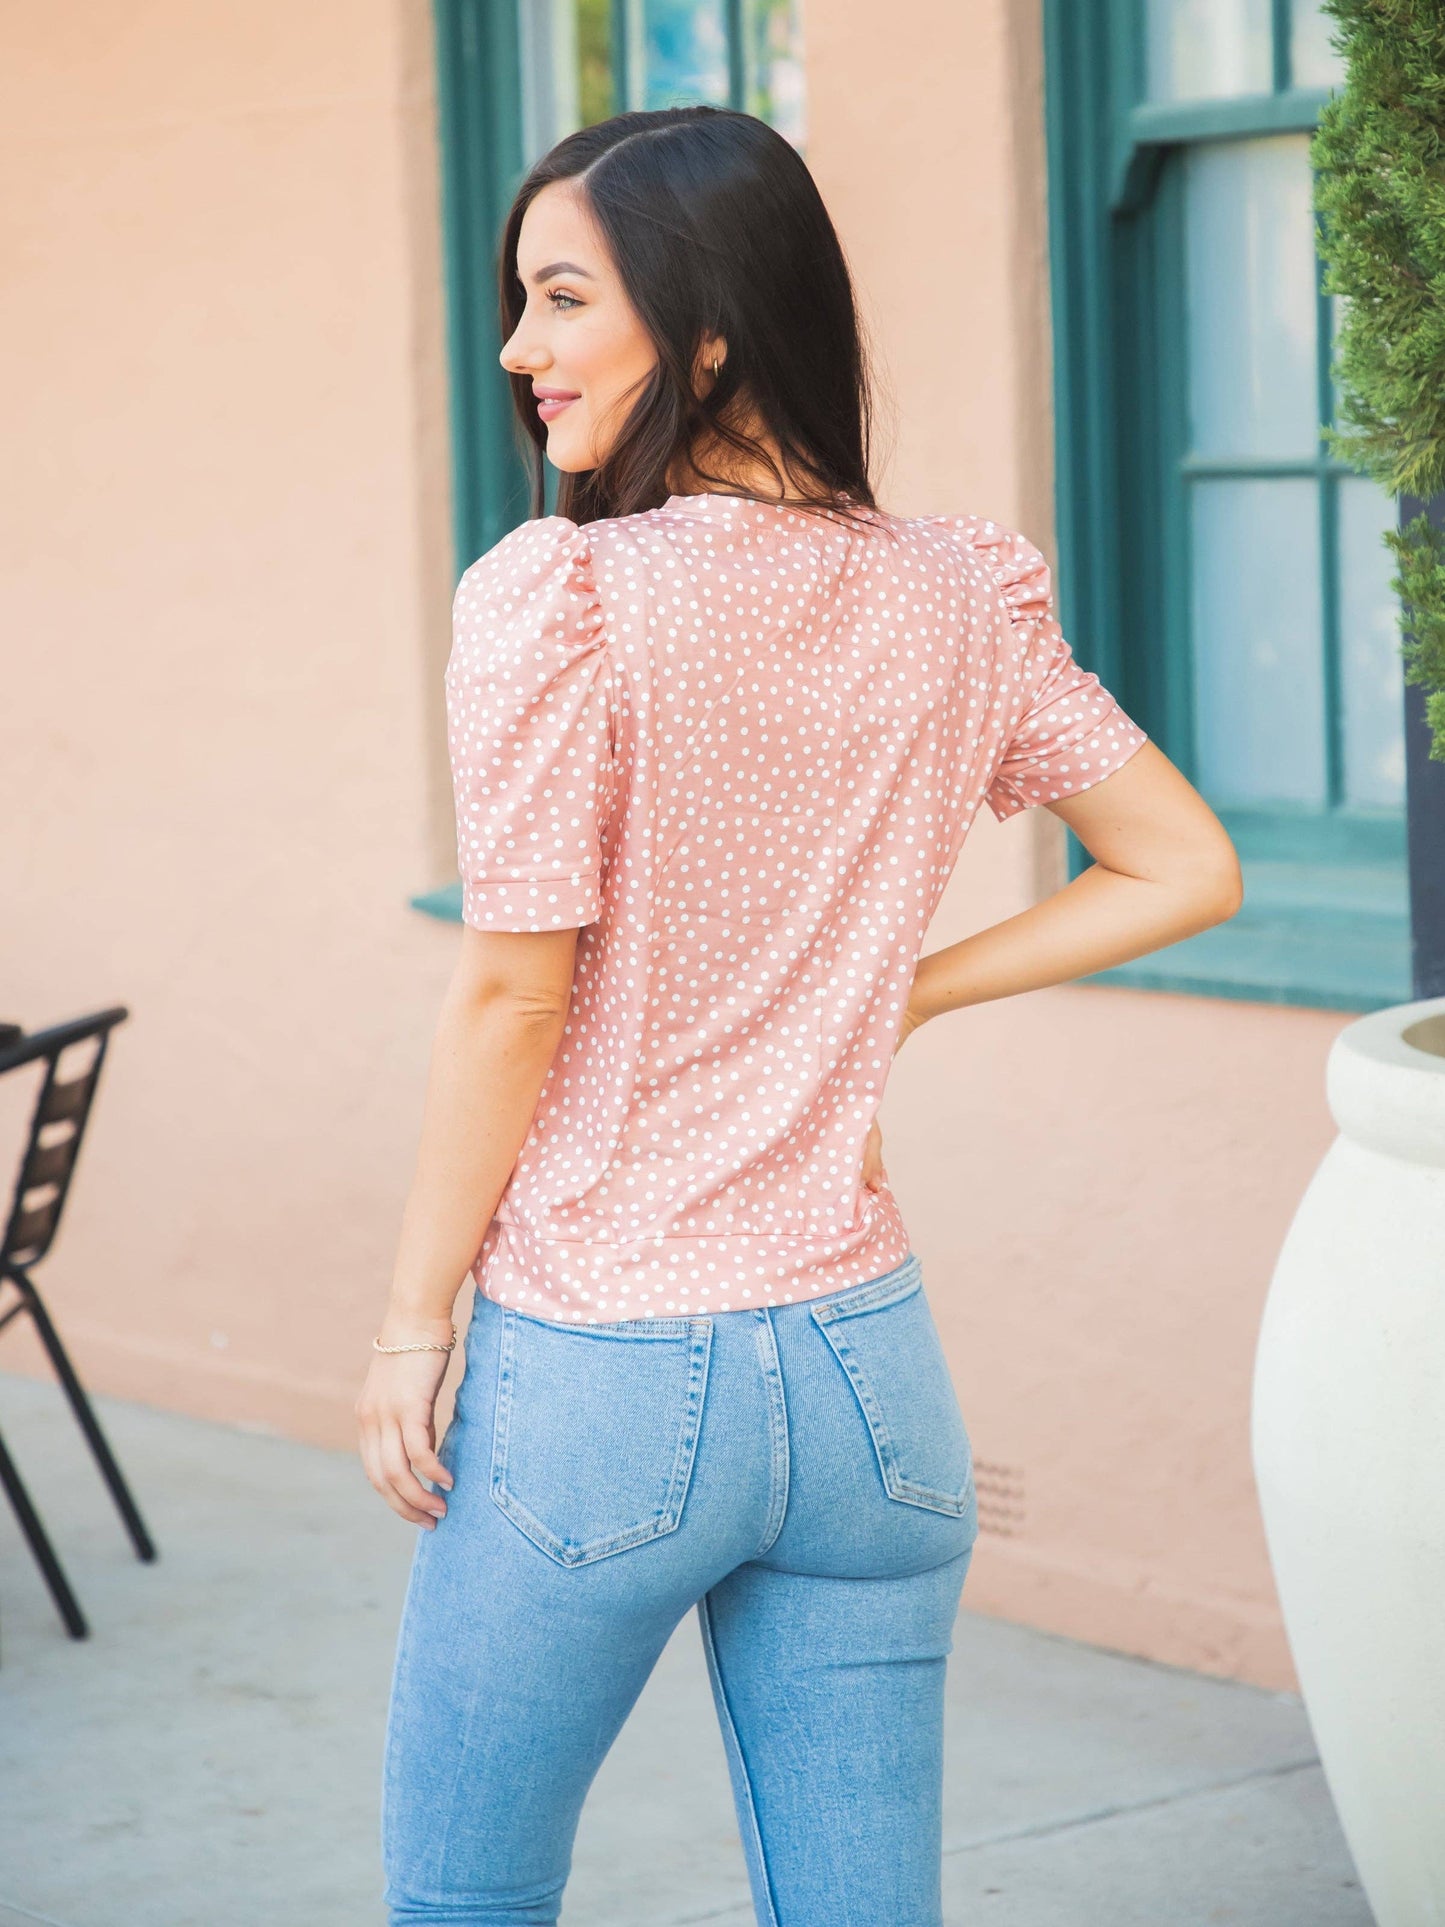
(716, 371)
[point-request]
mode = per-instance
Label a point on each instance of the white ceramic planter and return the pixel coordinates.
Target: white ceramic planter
(1348, 1437)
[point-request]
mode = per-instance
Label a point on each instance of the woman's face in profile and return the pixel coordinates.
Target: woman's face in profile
(579, 340)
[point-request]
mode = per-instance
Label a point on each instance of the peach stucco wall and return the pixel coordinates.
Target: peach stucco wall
(1097, 1260)
(226, 589)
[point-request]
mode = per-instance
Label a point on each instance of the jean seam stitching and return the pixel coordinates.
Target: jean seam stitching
(400, 1683)
(731, 1734)
(699, 1353)
(502, 1417)
(886, 1291)
(777, 1440)
(895, 1484)
(448, 1817)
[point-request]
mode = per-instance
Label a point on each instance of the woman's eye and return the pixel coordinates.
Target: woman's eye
(556, 296)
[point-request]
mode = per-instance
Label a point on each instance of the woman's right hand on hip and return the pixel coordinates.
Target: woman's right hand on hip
(397, 1432)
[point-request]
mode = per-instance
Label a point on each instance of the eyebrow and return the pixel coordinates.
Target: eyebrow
(562, 267)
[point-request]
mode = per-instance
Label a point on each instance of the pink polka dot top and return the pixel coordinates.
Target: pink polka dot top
(738, 747)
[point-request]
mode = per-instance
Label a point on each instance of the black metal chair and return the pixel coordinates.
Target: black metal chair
(57, 1127)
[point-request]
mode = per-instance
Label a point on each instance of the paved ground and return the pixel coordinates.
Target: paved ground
(210, 1756)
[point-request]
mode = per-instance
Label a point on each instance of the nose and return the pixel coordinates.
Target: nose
(520, 356)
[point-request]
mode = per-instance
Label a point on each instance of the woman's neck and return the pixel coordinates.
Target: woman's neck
(729, 470)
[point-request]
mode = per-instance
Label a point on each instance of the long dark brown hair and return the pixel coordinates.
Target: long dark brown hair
(716, 227)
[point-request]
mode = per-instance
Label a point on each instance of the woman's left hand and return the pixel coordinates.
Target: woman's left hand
(395, 1415)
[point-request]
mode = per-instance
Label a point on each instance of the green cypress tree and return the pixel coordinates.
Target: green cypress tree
(1379, 156)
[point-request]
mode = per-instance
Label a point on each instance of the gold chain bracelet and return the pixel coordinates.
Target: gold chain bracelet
(430, 1346)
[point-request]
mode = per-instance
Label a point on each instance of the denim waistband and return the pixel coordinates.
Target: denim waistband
(871, 1294)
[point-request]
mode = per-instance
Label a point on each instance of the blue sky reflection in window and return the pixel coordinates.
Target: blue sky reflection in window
(583, 60)
(684, 51)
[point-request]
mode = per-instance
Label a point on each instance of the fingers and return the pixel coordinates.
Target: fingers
(396, 1421)
(423, 1457)
(386, 1458)
(376, 1471)
(370, 1446)
(404, 1488)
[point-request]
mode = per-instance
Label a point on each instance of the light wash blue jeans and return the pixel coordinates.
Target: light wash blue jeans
(802, 1475)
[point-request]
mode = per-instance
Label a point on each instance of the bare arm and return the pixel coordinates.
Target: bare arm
(1164, 868)
(500, 1023)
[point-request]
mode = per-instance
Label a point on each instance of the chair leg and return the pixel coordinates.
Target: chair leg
(40, 1545)
(85, 1415)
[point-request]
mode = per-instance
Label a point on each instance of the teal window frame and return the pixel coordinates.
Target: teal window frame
(480, 141)
(479, 98)
(1326, 919)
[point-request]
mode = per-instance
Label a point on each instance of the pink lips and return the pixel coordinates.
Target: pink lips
(551, 401)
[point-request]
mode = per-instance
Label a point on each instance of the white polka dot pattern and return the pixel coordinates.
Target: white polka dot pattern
(1070, 732)
(739, 749)
(528, 689)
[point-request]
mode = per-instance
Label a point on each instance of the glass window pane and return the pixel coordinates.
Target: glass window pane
(678, 52)
(1250, 291)
(566, 59)
(594, 60)
(1208, 49)
(1312, 60)
(1372, 671)
(773, 51)
(1259, 711)
(547, 43)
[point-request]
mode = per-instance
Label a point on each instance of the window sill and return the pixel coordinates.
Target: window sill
(1324, 936)
(444, 904)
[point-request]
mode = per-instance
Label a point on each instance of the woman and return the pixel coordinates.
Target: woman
(718, 729)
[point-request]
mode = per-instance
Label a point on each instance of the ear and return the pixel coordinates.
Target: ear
(714, 348)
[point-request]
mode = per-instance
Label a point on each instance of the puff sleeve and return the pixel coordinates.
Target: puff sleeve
(1065, 732)
(528, 702)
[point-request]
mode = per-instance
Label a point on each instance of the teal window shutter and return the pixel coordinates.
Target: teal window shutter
(479, 99)
(479, 106)
(1223, 574)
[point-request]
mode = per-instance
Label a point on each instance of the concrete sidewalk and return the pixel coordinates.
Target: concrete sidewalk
(210, 1757)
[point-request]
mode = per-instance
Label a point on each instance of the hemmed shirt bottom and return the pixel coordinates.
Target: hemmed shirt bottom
(583, 1282)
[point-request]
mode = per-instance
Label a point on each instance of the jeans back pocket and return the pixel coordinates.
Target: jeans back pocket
(884, 1337)
(596, 1429)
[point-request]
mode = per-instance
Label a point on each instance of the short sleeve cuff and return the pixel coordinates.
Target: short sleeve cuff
(532, 903)
(1107, 748)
